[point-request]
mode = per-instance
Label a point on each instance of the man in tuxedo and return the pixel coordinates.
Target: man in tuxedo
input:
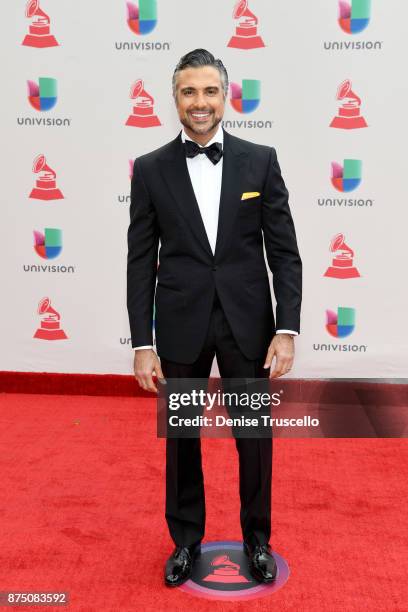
(213, 201)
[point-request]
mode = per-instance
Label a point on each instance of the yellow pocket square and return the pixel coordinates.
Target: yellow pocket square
(249, 194)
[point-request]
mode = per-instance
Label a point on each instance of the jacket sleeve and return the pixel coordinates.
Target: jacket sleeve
(143, 241)
(281, 248)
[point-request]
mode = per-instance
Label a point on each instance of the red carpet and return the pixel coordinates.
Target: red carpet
(82, 496)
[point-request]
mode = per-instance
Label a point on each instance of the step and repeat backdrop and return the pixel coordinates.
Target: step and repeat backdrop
(87, 88)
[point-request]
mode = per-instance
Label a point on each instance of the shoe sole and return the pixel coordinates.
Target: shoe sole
(172, 585)
(262, 580)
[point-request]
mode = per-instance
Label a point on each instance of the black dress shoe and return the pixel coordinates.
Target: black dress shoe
(180, 564)
(262, 565)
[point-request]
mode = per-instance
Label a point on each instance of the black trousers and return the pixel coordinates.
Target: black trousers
(185, 500)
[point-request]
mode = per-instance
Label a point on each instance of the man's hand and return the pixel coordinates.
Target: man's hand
(147, 363)
(282, 348)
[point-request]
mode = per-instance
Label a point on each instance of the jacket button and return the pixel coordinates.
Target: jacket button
(215, 268)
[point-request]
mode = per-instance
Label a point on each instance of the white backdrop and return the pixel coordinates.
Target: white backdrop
(97, 60)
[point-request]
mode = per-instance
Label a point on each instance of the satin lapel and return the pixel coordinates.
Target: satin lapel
(174, 170)
(233, 175)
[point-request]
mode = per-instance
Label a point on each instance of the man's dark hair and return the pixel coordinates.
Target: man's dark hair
(197, 58)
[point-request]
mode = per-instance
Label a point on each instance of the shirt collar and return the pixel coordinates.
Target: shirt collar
(218, 137)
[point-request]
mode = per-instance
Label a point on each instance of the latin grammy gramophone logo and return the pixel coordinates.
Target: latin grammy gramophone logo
(42, 95)
(342, 265)
(50, 325)
(246, 31)
(39, 30)
(142, 18)
(245, 98)
(221, 573)
(224, 570)
(45, 184)
(349, 113)
(354, 15)
(143, 115)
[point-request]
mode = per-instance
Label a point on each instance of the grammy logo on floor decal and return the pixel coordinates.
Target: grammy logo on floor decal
(221, 572)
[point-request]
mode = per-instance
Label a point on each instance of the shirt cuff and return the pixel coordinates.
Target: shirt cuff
(139, 348)
(287, 331)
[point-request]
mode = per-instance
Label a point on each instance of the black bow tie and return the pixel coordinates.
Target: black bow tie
(213, 152)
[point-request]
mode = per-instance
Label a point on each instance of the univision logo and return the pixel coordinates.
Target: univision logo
(43, 97)
(353, 18)
(347, 177)
(125, 198)
(245, 98)
(354, 15)
(142, 20)
(340, 324)
(127, 340)
(48, 245)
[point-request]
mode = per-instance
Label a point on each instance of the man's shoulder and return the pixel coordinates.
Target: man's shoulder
(247, 146)
(163, 151)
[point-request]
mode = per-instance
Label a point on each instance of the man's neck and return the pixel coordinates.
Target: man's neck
(201, 139)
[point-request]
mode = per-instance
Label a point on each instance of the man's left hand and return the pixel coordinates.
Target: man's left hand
(282, 348)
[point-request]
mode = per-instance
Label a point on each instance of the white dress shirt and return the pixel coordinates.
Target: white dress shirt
(206, 179)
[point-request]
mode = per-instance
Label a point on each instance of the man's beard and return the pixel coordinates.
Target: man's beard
(200, 130)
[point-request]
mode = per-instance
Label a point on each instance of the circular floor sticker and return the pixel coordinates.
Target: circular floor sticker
(221, 572)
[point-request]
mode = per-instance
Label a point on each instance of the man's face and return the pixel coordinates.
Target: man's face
(200, 101)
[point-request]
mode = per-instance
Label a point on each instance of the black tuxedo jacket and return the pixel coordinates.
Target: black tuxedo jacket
(164, 208)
